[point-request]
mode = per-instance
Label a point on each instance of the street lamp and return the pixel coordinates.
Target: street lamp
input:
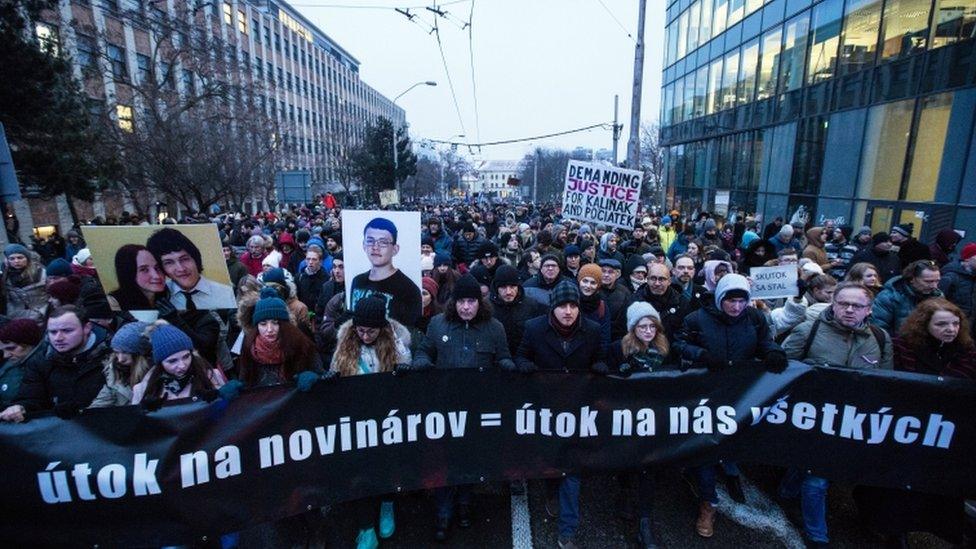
(396, 162)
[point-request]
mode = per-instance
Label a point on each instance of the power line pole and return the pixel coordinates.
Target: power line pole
(535, 177)
(633, 146)
(616, 127)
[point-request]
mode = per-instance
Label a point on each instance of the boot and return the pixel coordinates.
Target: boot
(734, 486)
(440, 528)
(705, 525)
(367, 539)
(387, 520)
(645, 535)
(464, 515)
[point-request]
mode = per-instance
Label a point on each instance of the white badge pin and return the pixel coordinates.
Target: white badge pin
(444, 339)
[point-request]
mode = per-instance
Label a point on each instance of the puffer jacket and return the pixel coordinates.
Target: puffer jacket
(454, 343)
(466, 251)
(116, 392)
(838, 345)
(729, 339)
(895, 302)
(959, 286)
(29, 300)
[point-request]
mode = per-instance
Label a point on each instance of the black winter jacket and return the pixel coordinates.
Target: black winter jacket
(544, 348)
(672, 306)
(457, 344)
(514, 315)
(63, 379)
(959, 286)
(712, 332)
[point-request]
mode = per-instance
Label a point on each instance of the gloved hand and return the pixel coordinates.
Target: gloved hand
(66, 410)
(330, 376)
(775, 362)
(526, 367)
(801, 286)
(713, 362)
(152, 404)
(408, 368)
(625, 369)
(231, 390)
(600, 367)
(305, 380)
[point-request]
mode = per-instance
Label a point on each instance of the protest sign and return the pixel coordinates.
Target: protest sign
(389, 198)
(139, 266)
(599, 194)
(773, 282)
(127, 477)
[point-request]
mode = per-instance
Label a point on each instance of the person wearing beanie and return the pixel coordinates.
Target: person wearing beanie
(637, 244)
(464, 336)
(442, 241)
(726, 333)
(910, 249)
(57, 270)
(608, 248)
(64, 292)
(486, 265)
(426, 265)
(667, 298)
(23, 284)
(82, 263)
(573, 256)
(942, 247)
(466, 247)
(445, 276)
(177, 372)
(634, 273)
(643, 349)
(565, 341)
(402, 295)
(428, 295)
(126, 366)
(542, 283)
(786, 238)
(592, 304)
(510, 306)
(371, 343)
(881, 255)
(958, 282)
(510, 249)
(20, 340)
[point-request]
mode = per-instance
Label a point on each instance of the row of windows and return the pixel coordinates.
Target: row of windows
(814, 46)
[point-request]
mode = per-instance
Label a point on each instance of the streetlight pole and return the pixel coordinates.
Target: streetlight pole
(396, 162)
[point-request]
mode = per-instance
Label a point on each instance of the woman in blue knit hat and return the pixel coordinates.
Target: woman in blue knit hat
(274, 350)
(178, 371)
(126, 366)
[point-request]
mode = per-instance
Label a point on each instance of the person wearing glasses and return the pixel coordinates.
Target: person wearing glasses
(383, 279)
(666, 298)
(841, 337)
(918, 281)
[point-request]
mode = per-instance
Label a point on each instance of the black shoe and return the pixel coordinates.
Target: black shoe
(645, 534)
(464, 515)
(440, 529)
(734, 486)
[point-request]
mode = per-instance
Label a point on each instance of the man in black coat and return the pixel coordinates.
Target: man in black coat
(511, 307)
(909, 248)
(310, 279)
(71, 376)
(616, 295)
(669, 301)
(880, 254)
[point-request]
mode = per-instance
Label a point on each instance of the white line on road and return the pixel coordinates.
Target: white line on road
(521, 522)
(759, 513)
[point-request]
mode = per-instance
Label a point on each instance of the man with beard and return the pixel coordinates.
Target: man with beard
(666, 299)
(682, 278)
(510, 306)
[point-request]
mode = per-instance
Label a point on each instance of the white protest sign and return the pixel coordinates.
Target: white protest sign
(600, 194)
(388, 198)
(773, 282)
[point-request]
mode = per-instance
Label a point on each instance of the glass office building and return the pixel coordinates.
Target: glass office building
(860, 111)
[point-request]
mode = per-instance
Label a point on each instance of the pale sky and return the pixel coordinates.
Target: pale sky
(541, 66)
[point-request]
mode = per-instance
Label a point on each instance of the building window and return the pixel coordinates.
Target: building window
(188, 82)
(47, 37)
(811, 136)
(241, 22)
(701, 92)
(927, 153)
(794, 52)
(257, 30)
(954, 20)
(729, 79)
(143, 70)
(859, 41)
(267, 37)
(87, 52)
(720, 16)
(905, 28)
(228, 14)
(769, 64)
(116, 59)
(883, 155)
(705, 28)
(124, 115)
(824, 39)
(714, 102)
(747, 73)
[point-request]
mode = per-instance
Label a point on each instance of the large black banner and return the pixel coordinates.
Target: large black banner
(127, 477)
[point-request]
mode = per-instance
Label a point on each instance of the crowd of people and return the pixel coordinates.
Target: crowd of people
(509, 287)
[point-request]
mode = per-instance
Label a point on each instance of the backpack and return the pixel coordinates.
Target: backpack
(879, 336)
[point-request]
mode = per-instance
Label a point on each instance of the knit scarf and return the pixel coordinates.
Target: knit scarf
(267, 352)
(175, 385)
(590, 303)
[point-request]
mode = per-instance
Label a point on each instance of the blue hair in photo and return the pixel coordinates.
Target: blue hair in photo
(381, 224)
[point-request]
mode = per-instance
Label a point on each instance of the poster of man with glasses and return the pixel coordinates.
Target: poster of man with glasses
(382, 235)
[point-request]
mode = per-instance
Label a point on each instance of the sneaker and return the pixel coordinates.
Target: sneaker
(367, 539)
(387, 520)
(705, 525)
(440, 529)
(734, 486)
(464, 515)
(567, 543)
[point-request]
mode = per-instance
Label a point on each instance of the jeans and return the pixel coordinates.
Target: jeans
(812, 491)
(569, 491)
(646, 486)
(444, 497)
(707, 475)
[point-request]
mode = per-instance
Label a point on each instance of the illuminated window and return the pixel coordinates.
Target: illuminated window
(241, 21)
(824, 38)
(860, 37)
(769, 64)
(228, 14)
(930, 138)
(954, 20)
(885, 144)
(124, 114)
(905, 28)
(794, 53)
(47, 37)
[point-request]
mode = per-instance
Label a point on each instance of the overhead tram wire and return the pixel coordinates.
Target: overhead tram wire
(450, 82)
(614, 17)
(370, 6)
(604, 125)
(474, 85)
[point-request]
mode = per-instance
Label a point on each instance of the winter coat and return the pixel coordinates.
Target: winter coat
(443, 244)
(888, 265)
(29, 300)
(945, 243)
(514, 315)
(454, 343)
(839, 346)
(617, 300)
(959, 286)
(116, 392)
(60, 378)
(935, 358)
(673, 307)
(369, 362)
(647, 362)
(236, 270)
(814, 250)
(543, 347)
(12, 373)
(309, 286)
(667, 235)
(779, 245)
(465, 251)
(709, 330)
(217, 379)
(329, 289)
(538, 289)
(912, 250)
(252, 264)
(895, 302)
(601, 315)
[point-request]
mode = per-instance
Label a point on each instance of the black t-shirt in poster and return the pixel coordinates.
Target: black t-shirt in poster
(402, 296)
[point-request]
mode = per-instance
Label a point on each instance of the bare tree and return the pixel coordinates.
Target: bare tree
(189, 122)
(652, 161)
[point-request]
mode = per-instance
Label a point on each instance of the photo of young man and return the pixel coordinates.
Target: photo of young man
(182, 263)
(402, 295)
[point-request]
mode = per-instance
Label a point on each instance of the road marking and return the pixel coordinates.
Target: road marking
(521, 522)
(759, 513)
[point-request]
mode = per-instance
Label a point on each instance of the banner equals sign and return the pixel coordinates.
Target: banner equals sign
(491, 420)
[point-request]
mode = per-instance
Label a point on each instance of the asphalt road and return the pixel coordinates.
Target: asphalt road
(759, 523)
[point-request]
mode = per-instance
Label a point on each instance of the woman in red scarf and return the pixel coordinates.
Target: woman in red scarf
(275, 351)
